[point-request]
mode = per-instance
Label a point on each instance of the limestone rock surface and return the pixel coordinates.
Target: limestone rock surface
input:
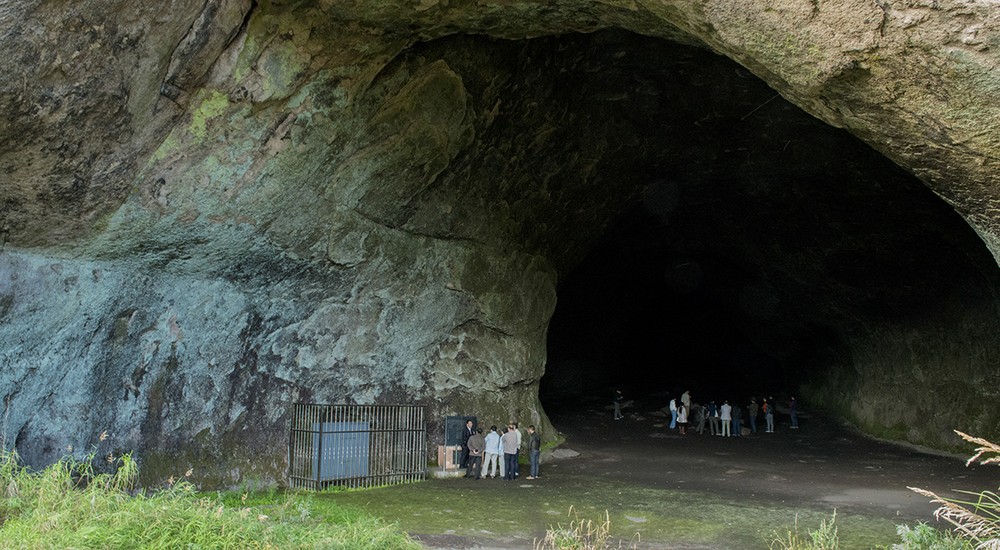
(210, 211)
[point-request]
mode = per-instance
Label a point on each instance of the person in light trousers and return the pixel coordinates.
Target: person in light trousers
(494, 460)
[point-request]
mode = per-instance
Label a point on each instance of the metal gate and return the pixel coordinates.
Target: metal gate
(356, 445)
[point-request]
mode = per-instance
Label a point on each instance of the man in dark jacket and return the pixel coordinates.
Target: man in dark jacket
(534, 451)
(466, 434)
(476, 444)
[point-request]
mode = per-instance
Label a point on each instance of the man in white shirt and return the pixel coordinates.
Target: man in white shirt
(493, 454)
(726, 414)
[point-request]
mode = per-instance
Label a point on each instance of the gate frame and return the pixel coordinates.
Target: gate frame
(396, 445)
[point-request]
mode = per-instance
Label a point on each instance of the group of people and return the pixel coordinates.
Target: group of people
(726, 420)
(723, 419)
(497, 454)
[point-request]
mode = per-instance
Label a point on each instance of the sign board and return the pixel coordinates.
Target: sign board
(453, 426)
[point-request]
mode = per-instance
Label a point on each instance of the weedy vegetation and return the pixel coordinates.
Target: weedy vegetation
(71, 505)
(823, 538)
(977, 518)
(583, 534)
(925, 537)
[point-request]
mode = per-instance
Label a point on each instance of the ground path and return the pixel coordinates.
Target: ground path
(732, 489)
(823, 462)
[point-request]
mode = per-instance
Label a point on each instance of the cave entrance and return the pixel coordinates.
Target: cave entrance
(765, 253)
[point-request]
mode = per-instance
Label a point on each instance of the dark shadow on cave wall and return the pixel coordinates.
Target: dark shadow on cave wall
(752, 257)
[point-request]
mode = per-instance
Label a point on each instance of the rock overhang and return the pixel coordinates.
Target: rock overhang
(315, 168)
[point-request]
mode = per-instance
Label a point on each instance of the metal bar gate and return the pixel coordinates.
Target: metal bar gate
(356, 445)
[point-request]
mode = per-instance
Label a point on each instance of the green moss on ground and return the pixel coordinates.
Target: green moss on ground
(524, 510)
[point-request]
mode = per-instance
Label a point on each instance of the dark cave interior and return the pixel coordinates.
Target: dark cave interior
(756, 249)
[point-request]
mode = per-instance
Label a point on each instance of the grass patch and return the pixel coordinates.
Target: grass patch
(925, 537)
(823, 538)
(527, 510)
(583, 534)
(68, 505)
(976, 520)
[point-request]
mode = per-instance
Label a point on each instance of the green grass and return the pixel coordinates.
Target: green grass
(583, 534)
(69, 505)
(492, 508)
(822, 538)
(925, 537)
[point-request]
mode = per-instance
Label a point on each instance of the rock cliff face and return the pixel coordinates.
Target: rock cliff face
(213, 210)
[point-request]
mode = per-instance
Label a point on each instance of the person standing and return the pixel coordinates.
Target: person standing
(737, 421)
(617, 402)
(793, 412)
(768, 407)
(682, 418)
(726, 416)
(686, 400)
(534, 451)
(517, 452)
(466, 434)
(508, 443)
(492, 462)
(699, 414)
(713, 418)
(673, 413)
(476, 445)
(753, 414)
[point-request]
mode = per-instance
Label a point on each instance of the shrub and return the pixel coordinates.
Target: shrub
(925, 537)
(581, 534)
(977, 519)
(824, 538)
(68, 505)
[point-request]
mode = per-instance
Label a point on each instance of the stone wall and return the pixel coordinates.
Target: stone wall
(211, 212)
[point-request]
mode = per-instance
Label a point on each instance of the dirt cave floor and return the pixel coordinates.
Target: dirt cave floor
(660, 489)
